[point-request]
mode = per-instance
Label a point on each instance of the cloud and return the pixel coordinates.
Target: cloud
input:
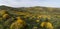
(27, 3)
(23, 3)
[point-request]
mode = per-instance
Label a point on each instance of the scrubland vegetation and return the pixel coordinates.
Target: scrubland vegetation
(29, 17)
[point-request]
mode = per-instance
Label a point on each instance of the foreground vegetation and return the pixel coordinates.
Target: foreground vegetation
(28, 17)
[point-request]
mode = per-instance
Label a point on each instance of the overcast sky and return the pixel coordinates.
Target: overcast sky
(30, 3)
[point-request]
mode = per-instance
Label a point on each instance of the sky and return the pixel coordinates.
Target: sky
(30, 3)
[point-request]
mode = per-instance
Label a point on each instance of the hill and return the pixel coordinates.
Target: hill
(33, 10)
(32, 16)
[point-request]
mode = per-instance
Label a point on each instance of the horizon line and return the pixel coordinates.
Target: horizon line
(30, 6)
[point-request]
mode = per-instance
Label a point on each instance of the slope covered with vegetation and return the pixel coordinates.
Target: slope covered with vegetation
(28, 17)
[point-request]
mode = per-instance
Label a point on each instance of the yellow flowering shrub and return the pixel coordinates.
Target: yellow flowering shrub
(47, 25)
(18, 24)
(43, 24)
(35, 27)
(38, 21)
(39, 17)
(45, 16)
(5, 16)
(2, 12)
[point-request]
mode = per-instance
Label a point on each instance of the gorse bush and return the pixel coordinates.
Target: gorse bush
(6, 16)
(2, 12)
(18, 24)
(46, 24)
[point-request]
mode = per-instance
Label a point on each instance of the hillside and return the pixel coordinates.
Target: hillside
(33, 10)
(31, 16)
